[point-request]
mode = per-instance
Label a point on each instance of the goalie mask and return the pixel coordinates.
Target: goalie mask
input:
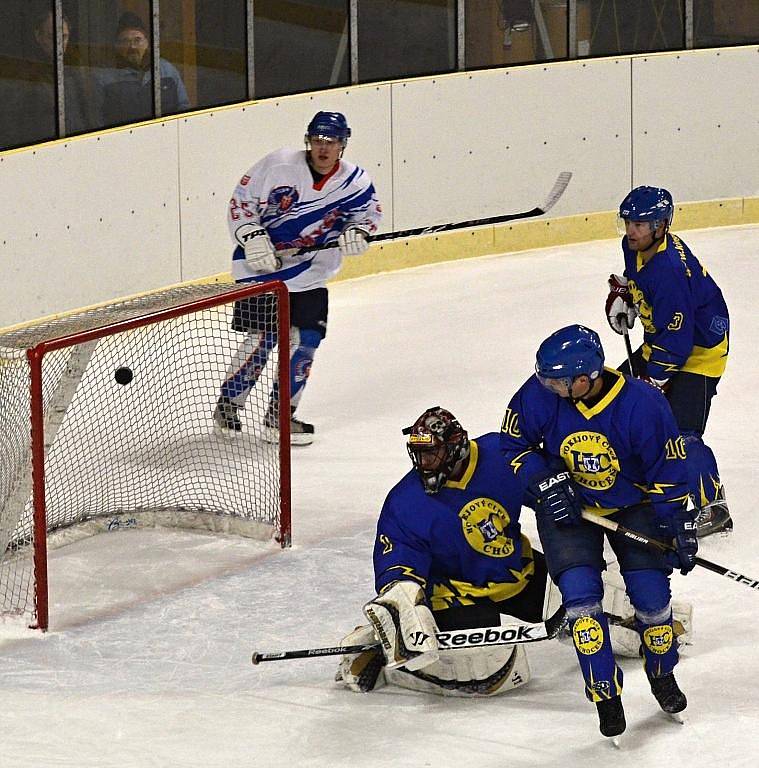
(436, 444)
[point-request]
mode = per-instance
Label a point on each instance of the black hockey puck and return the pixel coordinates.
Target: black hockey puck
(123, 375)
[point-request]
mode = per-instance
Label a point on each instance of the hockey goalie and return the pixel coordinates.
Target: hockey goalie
(449, 555)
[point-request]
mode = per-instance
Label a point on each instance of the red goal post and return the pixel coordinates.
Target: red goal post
(107, 423)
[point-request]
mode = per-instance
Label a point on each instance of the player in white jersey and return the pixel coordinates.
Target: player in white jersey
(287, 203)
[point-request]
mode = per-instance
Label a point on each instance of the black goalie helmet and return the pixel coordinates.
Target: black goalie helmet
(436, 444)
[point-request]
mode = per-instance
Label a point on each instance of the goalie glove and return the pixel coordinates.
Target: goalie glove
(404, 626)
(353, 241)
(365, 671)
(258, 248)
(619, 304)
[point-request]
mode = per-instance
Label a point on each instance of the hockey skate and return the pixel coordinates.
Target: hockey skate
(226, 418)
(666, 691)
(301, 433)
(714, 517)
(611, 718)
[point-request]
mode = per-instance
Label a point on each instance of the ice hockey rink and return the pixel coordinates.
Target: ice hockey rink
(148, 659)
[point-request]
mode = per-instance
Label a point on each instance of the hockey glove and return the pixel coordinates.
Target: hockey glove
(556, 497)
(353, 241)
(361, 672)
(619, 304)
(681, 531)
(404, 626)
(259, 251)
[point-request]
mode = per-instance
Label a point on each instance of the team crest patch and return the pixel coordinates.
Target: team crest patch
(281, 199)
(658, 639)
(588, 635)
(719, 325)
(591, 460)
(483, 522)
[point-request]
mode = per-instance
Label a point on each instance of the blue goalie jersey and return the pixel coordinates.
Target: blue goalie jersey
(684, 316)
(623, 450)
(461, 543)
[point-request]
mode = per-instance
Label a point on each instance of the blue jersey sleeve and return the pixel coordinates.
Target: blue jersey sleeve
(400, 553)
(673, 317)
(522, 431)
(657, 441)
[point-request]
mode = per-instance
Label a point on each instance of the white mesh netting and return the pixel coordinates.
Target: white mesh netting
(136, 453)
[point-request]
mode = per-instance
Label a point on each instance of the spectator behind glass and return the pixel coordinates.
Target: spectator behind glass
(29, 113)
(127, 88)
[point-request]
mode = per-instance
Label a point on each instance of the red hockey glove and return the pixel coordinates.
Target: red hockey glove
(619, 304)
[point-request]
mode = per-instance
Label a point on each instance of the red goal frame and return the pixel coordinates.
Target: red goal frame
(35, 356)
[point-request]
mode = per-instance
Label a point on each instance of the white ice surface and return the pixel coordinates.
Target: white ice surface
(148, 659)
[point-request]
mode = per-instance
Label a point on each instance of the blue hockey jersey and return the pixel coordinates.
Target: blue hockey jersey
(623, 450)
(461, 543)
(681, 308)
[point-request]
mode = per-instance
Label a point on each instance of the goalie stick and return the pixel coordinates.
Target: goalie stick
(662, 547)
(506, 634)
(556, 192)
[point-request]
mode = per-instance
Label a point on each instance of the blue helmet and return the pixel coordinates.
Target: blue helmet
(652, 204)
(332, 125)
(570, 352)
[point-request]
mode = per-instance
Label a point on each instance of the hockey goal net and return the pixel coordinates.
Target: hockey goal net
(106, 422)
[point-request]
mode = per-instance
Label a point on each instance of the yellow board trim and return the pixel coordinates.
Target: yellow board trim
(492, 241)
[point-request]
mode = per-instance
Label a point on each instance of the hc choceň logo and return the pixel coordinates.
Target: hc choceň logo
(588, 635)
(483, 522)
(591, 460)
(658, 639)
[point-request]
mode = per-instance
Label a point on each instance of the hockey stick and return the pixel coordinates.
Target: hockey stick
(507, 634)
(556, 192)
(662, 547)
(628, 346)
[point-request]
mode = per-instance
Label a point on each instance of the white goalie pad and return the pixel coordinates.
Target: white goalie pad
(465, 672)
(404, 626)
(468, 672)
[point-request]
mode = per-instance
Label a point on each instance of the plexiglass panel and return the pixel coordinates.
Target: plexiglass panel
(205, 42)
(300, 46)
(503, 32)
(405, 38)
(725, 22)
(29, 111)
(636, 26)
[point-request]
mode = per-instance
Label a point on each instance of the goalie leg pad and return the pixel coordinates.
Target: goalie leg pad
(404, 626)
(470, 672)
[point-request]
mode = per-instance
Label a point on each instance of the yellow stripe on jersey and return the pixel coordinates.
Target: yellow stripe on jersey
(708, 361)
(474, 453)
(589, 413)
(454, 592)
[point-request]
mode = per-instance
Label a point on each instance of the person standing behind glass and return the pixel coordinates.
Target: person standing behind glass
(127, 88)
(29, 103)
